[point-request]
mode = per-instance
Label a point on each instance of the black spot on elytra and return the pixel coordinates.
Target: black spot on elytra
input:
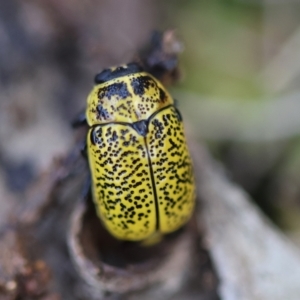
(114, 136)
(93, 137)
(115, 89)
(102, 112)
(140, 84)
(162, 95)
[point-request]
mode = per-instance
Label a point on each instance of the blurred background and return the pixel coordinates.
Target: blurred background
(238, 93)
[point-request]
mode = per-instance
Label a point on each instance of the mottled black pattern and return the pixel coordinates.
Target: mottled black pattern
(162, 94)
(172, 169)
(122, 187)
(102, 112)
(142, 175)
(141, 84)
(118, 89)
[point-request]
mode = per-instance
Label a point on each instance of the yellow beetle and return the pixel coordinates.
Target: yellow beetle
(141, 171)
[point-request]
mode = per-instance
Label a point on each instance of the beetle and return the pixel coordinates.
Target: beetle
(141, 172)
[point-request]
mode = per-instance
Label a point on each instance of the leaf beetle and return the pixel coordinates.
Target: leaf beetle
(141, 172)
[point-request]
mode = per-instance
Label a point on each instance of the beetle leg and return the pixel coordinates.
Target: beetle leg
(83, 149)
(176, 104)
(179, 116)
(80, 120)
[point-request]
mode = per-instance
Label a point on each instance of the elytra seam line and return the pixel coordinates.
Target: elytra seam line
(154, 187)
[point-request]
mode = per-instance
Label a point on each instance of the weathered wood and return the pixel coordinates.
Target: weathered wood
(161, 273)
(253, 259)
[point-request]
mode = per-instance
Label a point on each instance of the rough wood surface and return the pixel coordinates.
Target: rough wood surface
(253, 259)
